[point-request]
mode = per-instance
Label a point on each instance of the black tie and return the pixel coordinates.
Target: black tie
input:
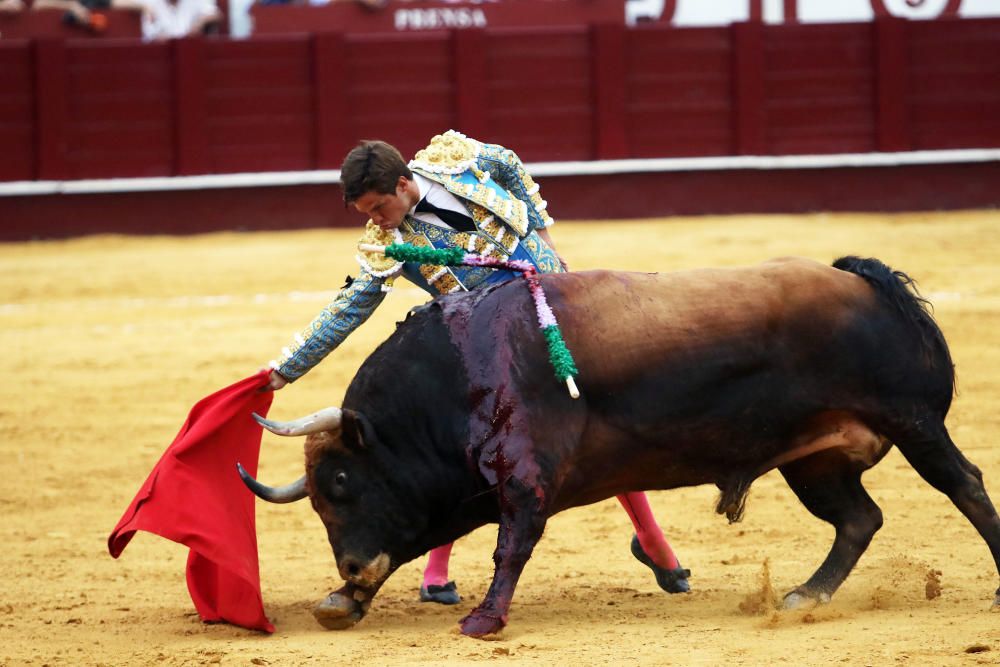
(453, 219)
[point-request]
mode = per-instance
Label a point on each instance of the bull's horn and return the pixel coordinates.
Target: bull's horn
(282, 494)
(327, 419)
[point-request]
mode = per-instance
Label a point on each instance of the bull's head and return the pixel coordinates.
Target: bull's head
(358, 490)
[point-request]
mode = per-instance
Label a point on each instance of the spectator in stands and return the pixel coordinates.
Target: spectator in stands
(11, 6)
(368, 4)
(74, 13)
(161, 19)
(166, 19)
(84, 14)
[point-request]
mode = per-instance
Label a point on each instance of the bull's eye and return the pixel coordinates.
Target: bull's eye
(335, 483)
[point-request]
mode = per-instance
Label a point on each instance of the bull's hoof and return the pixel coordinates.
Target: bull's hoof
(996, 601)
(796, 601)
(672, 581)
(799, 599)
(447, 594)
(482, 624)
(338, 611)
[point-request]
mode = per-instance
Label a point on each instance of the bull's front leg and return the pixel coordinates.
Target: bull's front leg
(522, 522)
(343, 608)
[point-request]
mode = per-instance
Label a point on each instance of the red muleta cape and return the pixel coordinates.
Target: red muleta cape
(194, 496)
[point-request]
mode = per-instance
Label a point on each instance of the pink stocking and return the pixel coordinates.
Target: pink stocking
(650, 536)
(436, 572)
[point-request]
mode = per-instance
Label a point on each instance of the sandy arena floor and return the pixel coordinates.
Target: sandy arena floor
(109, 341)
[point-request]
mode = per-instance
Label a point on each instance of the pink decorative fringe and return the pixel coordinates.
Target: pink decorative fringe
(546, 318)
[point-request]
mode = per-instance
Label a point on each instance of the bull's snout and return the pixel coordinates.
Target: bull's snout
(363, 573)
(349, 567)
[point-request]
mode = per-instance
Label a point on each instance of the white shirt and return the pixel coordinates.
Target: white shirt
(436, 194)
(163, 20)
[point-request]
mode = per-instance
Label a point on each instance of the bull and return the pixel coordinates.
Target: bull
(688, 378)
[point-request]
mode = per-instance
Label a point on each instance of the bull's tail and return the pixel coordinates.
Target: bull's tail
(899, 293)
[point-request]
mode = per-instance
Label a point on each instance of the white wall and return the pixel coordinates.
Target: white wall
(724, 12)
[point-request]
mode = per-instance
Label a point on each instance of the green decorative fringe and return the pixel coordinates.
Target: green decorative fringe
(559, 355)
(405, 252)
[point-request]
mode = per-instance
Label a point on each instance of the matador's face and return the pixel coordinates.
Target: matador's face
(388, 210)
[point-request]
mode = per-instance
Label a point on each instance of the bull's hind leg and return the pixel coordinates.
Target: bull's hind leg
(829, 485)
(943, 466)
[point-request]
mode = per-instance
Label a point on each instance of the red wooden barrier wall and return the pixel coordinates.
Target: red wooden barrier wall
(953, 84)
(538, 93)
(257, 109)
(17, 113)
(679, 94)
(819, 90)
(86, 109)
(118, 117)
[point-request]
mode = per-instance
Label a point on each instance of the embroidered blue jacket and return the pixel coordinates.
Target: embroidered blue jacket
(503, 201)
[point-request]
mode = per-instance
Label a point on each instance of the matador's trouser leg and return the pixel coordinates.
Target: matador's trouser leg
(436, 572)
(648, 531)
(636, 505)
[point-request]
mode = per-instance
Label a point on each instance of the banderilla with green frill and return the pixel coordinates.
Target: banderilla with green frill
(559, 355)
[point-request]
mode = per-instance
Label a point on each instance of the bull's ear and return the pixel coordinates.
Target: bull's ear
(356, 431)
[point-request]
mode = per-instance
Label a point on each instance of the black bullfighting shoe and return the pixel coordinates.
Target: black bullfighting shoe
(447, 594)
(672, 581)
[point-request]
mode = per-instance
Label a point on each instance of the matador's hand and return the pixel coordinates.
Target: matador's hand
(275, 380)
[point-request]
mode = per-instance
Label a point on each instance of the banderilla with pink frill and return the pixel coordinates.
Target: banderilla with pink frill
(559, 355)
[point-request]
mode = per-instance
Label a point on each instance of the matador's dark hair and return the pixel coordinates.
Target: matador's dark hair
(372, 166)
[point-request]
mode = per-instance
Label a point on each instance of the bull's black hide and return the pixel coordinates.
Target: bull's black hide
(699, 377)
